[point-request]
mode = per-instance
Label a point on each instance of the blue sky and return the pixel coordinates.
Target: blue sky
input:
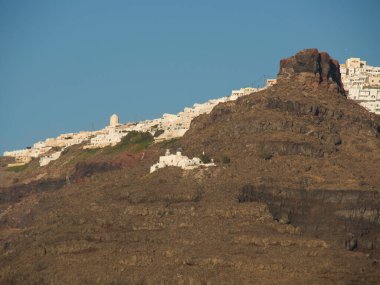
(68, 65)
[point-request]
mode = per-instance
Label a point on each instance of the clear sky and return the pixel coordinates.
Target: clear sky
(66, 66)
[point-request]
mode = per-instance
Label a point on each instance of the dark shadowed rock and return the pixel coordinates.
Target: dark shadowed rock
(293, 198)
(314, 68)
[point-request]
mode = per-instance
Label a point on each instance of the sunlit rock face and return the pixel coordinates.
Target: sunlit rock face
(313, 68)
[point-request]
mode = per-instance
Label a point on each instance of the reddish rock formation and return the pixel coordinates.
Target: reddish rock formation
(316, 69)
(294, 198)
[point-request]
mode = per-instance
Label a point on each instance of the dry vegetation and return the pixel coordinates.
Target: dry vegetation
(294, 199)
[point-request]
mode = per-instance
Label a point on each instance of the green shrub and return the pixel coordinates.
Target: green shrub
(264, 153)
(157, 133)
(134, 141)
(205, 158)
(225, 159)
(84, 154)
(17, 168)
(90, 151)
(169, 143)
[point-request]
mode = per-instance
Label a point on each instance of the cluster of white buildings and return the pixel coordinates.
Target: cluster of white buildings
(169, 125)
(362, 83)
(47, 150)
(178, 160)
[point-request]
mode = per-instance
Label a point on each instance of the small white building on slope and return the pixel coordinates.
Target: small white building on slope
(45, 160)
(235, 94)
(178, 160)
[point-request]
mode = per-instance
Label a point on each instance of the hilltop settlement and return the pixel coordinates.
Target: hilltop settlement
(271, 186)
(361, 83)
(167, 127)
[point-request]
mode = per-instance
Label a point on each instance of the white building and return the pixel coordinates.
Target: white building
(45, 160)
(271, 82)
(242, 92)
(18, 153)
(114, 120)
(24, 156)
(21, 156)
(178, 160)
(110, 137)
(171, 126)
(39, 149)
(362, 83)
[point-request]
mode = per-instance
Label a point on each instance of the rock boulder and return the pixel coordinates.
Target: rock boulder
(315, 69)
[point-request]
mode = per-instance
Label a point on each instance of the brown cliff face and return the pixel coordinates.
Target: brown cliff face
(309, 153)
(312, 67)
(294, 198)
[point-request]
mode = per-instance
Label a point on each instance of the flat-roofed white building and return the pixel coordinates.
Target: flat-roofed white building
(178, 160)
(242, 92)
(45, 160)
(271, 82)
(362, 83)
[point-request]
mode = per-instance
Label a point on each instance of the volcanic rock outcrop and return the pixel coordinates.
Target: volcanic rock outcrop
(302, 148)
(293, 199)
(312, 67)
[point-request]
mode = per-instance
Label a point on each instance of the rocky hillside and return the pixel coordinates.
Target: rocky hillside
(308, 133)
(293, 198)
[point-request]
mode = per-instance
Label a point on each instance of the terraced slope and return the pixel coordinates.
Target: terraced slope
(293, 198)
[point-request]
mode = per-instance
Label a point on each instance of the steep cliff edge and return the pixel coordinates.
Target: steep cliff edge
(304, 149)
(303, 122)
(312, 67)
(293, 198)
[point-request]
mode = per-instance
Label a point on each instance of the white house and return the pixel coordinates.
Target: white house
(178, 160)
(44, 160)
(362, 83)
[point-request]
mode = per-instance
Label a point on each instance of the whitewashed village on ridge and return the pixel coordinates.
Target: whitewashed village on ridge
(171, 126)
(361, 82)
